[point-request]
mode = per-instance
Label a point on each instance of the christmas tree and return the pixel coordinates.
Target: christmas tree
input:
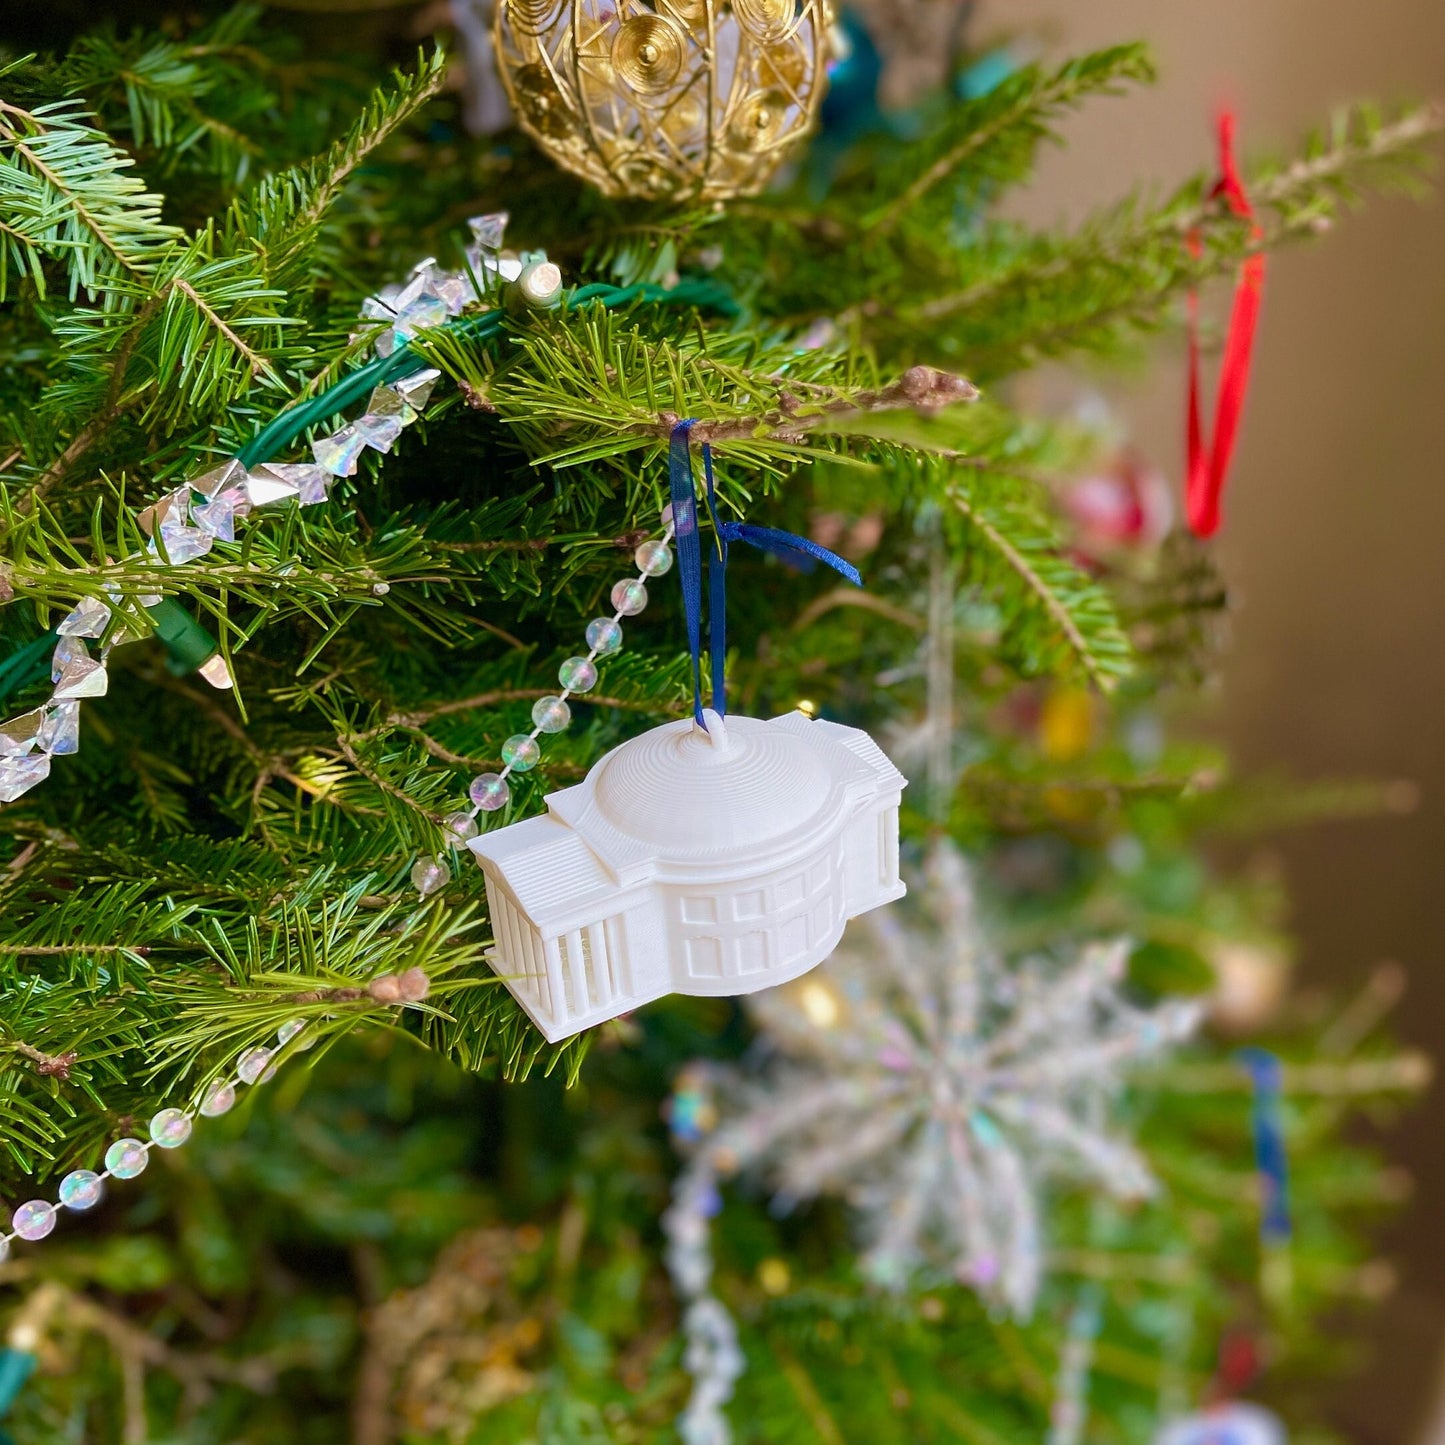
(337, 421)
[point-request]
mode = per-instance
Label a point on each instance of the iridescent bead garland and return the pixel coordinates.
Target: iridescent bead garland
(1070, 1410)
(489, 792)
(81, 1189)
(187, 522)
(712, 1353)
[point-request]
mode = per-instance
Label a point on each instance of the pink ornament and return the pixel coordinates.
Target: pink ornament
(1125, 506)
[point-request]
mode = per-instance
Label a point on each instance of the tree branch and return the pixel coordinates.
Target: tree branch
(1036, 584)
(81, 210)
(254, 360)
(920, 388)
(48, 1066)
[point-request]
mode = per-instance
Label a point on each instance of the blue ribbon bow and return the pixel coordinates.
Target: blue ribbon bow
(787, 545)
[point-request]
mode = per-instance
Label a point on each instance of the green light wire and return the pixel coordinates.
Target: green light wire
(403, 361)
(295, 420)
(30, 662)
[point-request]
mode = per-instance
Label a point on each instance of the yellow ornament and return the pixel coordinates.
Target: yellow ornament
(1066, 724)
(682, 99)
(775, 1276)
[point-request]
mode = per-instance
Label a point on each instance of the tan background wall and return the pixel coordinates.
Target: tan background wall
(1335, 535)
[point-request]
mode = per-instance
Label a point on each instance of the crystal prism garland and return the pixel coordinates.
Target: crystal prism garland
(60, 732)
(313, 485)
(484, 254)
(19, 774)
(120, 602)
(338, 453)
(415, 390)
(448, 287)
(89, 618)
(420, 296)
(20, 734)
(81, 678)
(227, 477)
(67, 651)
(217, 517)
(304, 482)
(378, 432)
(266, 487)
(421, 315)
(430, 297)
(185, 523)
(382, 305)
(182, 542)
(388, 401)
(488, 231)
(432, 293)
(506, 267)
(168, 522)
(152, 516)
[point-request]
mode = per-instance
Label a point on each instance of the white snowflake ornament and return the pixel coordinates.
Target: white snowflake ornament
(940, 1090)
(715, 860)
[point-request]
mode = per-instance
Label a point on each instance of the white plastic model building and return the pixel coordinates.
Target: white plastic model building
(691, 861)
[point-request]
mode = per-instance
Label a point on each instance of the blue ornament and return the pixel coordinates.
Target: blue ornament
(850, 107)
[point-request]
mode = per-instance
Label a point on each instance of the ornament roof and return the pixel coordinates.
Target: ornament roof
(686, 806)
(741, 783)
(683, 801)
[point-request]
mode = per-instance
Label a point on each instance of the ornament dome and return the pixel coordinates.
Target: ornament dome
(738, 785)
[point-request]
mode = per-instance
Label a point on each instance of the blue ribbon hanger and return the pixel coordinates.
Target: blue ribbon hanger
(1269, 1149)
(787, 545)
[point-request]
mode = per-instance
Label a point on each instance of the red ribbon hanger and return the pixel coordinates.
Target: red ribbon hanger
(1208, 462)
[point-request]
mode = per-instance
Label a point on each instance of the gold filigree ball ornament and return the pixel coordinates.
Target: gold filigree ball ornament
(682, 99)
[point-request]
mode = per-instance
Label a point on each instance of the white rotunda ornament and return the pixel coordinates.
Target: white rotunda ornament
(690, 861)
